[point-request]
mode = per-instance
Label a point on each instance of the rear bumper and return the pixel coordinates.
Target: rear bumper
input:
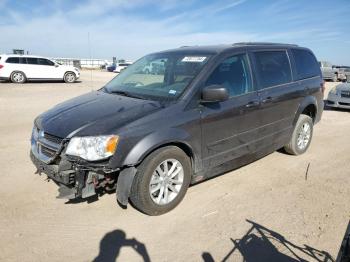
(4, 78)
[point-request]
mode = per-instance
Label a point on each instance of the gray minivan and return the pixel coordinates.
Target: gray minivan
(211, 109)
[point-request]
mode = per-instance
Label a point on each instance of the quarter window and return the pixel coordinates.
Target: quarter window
(273, 68)
(12, 60)
(233, 74)
(306, 64)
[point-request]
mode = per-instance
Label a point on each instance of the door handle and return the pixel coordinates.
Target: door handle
(267, 100)
(252, 104)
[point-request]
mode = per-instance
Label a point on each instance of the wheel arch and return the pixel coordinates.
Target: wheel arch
(308, 107)
(68, 71)
(152, 142)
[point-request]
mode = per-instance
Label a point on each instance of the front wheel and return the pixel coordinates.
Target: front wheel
(69, 77)
(161, 181)
(301, 137)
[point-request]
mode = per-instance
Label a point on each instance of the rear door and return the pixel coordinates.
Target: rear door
(278, 95)
(229, 128)
(32, 68)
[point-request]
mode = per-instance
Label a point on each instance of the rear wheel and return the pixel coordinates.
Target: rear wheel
(18, 77)
(161, 181)
(301, 137)
(69, 77)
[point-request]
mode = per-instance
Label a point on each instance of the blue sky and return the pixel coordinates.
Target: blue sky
(130, 29)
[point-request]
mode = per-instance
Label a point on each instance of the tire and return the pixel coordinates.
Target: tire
(18, 77)
(141, 196)
(298, 144)
(69, 77)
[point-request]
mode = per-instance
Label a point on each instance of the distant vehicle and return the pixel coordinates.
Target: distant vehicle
(121, 66)
(328, 71)
(154, 68)
(111, 68)
(22, 68)
(213, 109)
(343, 71)
(339, 96)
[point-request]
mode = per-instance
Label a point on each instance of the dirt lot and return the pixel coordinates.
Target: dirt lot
(286, 212)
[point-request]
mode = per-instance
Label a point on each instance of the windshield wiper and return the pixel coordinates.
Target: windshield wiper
(124, 93)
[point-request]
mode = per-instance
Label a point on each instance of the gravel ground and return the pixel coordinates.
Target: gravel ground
(266, 209)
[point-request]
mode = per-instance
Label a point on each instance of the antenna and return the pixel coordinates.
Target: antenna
(90, 57)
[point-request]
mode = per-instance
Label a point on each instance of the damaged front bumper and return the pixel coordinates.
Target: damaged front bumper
(79, 179)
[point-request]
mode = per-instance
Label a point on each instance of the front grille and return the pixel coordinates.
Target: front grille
(45, 145)
(47, 151)
(344, 104)
(52, 138)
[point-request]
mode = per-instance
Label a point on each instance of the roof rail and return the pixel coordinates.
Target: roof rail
(262, 43)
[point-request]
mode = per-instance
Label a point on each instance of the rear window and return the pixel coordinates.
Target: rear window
(306, 64)
(273, 68)
(32, 60)
(12, 60)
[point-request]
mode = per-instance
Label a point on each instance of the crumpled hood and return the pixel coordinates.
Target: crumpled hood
(95, 113)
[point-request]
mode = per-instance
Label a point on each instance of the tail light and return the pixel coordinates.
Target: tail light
(1, 66)
(323, 87)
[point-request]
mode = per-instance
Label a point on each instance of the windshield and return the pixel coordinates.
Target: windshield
(158, 76)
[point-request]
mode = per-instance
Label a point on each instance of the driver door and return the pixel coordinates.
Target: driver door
(230, 128)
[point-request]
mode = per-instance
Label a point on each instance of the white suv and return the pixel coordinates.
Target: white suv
(121, 66)
(20, 68)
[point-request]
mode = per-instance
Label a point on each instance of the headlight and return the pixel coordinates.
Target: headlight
(92, 148)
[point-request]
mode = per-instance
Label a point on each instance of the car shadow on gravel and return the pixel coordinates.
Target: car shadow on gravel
(112, 243)
(41, 82)
(264, 245)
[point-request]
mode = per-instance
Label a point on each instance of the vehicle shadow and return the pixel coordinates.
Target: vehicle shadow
(263, 245)
(52, 82)
(112, 243)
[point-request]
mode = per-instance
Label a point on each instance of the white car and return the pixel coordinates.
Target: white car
(120, 66)
(22, 68)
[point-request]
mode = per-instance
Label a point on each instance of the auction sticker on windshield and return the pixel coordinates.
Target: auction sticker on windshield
(197, 59)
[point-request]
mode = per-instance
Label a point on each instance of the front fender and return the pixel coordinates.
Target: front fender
(155, 140)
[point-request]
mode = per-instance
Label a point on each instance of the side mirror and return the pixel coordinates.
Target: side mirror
(214, 93)
(57, 65)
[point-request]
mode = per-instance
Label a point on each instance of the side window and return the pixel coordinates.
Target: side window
(32, 61)
(233, 74)
(306, 64)
(43, 61)
(22, 60)
(273, 68)
(12, 60)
